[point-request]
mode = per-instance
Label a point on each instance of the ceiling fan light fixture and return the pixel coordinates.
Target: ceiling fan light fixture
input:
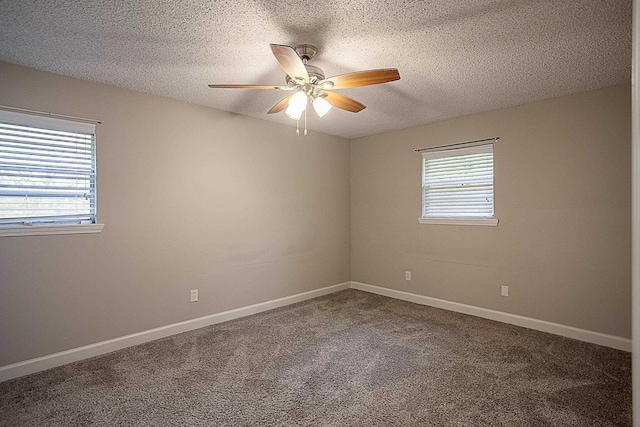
(298, 101)
(297, 104)
(292, 113)
(321, 105)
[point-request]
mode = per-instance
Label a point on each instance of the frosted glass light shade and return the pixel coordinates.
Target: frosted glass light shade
(293, 113)
(321, 105)
(297, 104)
(298, 100)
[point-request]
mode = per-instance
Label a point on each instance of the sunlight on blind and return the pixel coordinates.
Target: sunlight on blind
(46, 175)
(458, 183)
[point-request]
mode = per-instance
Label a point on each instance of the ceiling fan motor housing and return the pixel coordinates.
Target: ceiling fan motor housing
(315, 74)
(306, 51)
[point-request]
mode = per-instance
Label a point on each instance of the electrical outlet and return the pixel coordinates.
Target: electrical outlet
(407, 275)
(505, 291)
(194, 295)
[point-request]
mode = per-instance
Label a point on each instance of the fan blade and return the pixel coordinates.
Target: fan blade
(362, 78)
(250, 87)
(290, 62)
(343, 102)
(280, 105)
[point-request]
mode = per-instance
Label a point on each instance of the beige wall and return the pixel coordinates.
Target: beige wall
(245, 211)
(562, 195)
(191, 197)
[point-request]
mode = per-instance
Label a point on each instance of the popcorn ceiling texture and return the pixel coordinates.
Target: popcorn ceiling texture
(455, 57)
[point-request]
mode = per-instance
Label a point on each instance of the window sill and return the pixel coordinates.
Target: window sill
(44, 230)
(460, 221)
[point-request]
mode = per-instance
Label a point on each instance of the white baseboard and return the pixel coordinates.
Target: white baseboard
(31, 366)
(613, 341)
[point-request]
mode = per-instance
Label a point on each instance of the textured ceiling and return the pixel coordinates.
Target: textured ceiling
(455, 57)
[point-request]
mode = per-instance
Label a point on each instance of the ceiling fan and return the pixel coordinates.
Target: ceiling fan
(308, 83)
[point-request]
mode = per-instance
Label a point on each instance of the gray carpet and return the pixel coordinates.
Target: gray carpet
(346, 359)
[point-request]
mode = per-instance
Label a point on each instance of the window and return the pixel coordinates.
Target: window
(457, 186)
(47, 174)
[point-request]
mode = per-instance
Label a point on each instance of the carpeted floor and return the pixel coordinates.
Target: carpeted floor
(350, 358)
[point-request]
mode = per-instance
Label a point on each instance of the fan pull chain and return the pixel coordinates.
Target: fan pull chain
(297, 128)
(305, 122)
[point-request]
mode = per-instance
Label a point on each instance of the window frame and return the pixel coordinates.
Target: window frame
(49, 122)
(457, 220)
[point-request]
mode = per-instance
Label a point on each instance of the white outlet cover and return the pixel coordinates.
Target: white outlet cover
(505, 291)
(194, 295)
(407, 275)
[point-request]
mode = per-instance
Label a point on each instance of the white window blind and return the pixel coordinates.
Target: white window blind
(47, 170)
(458, 183)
